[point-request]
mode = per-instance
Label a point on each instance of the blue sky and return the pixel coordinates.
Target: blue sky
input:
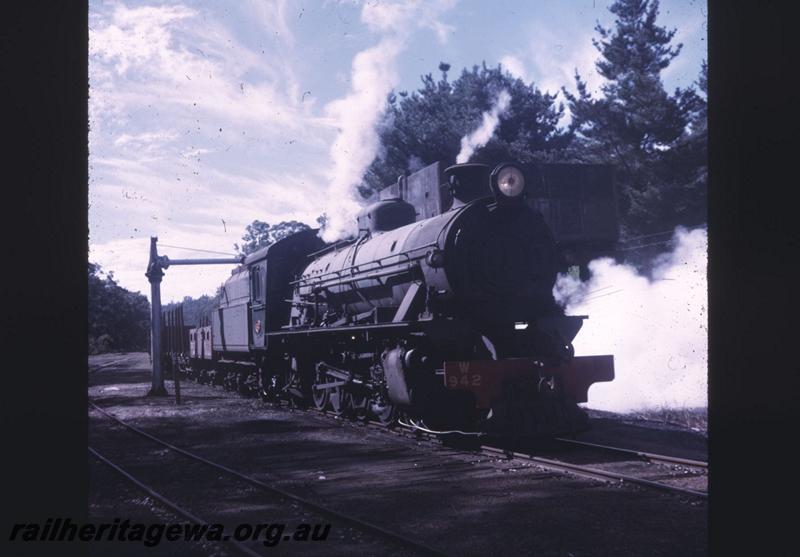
(207, 115)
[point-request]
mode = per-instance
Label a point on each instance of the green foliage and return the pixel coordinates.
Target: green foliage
(259, 234)
(428, 124)
(196, 309)
(656, 140)
(256, 236)
(119, 320)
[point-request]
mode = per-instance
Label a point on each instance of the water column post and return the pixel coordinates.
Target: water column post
(154, 274)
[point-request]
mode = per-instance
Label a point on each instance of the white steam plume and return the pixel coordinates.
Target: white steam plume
(373, 76)
(483, 134)
(656, 329)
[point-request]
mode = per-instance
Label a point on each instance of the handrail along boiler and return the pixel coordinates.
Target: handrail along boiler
(441, 308)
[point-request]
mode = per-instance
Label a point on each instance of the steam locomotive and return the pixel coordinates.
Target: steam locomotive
(439, 312)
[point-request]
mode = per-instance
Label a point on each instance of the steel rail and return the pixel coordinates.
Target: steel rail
(95, 368)
(355, 522)
(167, 502)
(653, 457)
(558, 465)
(595, 473)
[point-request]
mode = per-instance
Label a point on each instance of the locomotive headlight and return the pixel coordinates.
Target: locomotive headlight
(510, 181)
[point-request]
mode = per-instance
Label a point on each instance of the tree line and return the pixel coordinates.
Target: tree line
(118, 319)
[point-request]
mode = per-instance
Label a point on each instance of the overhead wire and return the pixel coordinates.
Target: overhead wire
(629, 240)
(646, 245)
(599, 289)
(670, 232)
(590, 298)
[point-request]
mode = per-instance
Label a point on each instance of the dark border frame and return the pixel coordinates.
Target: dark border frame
(753, 263)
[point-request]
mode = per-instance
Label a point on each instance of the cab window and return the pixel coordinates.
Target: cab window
(257, 284)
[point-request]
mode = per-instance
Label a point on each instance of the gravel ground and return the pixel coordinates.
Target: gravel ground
(461, 503)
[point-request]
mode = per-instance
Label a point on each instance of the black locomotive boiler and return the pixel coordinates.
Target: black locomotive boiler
(440, 311)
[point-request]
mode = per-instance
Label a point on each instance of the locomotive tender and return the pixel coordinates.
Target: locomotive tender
(440, 310)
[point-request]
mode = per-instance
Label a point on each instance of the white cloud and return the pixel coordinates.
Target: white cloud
(549, 63)
(679, 66)
(128, 260)
(138, 36)
(555, 60)
(394, 16)
(148, 140)
(162, 56)
(515, 67)
(195, 152)
(387, 16)
(210, 215)
(550, 59)
(273, 15)
(184, 120)
(442, 30)
(148, 192)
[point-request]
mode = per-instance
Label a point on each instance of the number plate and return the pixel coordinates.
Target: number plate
(485, 378)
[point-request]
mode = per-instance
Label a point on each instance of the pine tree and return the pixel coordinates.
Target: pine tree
(687, 163)
(636, 124)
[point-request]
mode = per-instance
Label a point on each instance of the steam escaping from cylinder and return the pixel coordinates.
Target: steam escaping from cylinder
(656, 328)
(481, 136)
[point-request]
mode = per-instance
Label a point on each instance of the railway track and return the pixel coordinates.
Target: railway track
(93, 368)
(174, 507)
(594, 472)
(354, 522)
(651, 457)
(558, 465)
(554, 464)
(459, 484)
(494, 451)
(579, 469)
